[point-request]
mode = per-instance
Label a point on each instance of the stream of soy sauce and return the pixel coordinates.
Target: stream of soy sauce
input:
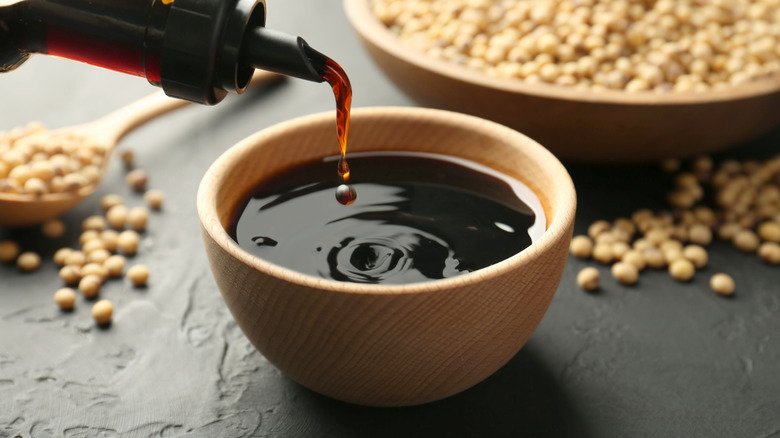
(342, 91)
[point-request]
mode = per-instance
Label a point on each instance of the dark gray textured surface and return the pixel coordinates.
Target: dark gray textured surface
(658, 359)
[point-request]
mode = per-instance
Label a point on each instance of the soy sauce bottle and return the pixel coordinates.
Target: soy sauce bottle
(198, 50)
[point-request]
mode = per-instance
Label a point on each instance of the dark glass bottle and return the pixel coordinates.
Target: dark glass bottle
(197, 50)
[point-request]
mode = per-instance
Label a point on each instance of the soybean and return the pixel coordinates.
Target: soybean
(682, 270)
(581, 247)
(154, 199)
(90, 286)
(137, 179)
(588, 278)
(138, 275)
(697, 255)
(127, 242)
(65, 298)
(102, 311)
(770, 253)
(625, 272)
(28, 261)
(137, 218)
(722, 284)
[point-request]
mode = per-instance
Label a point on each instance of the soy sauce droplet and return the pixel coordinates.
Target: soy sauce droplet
(343, 169)
(345, 194)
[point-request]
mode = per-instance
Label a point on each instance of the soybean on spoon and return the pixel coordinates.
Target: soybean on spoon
(24, 209)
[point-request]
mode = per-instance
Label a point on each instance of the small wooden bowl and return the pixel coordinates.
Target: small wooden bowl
(387, 345)
(580, 125)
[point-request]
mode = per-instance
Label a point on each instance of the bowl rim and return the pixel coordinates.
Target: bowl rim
(558, 226)
(370, 29)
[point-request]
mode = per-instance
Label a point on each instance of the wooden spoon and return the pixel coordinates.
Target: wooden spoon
(20, 209)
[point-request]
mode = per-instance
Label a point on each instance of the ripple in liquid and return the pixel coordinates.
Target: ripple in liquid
(420, 217)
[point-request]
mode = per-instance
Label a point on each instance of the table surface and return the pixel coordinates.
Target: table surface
(657, 359)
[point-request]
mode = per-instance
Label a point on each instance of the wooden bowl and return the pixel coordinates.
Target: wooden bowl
(387, 345)
(580, 125)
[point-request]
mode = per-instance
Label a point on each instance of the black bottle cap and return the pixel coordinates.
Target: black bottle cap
(201, 46)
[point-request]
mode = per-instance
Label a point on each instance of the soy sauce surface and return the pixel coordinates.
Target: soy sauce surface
(420, 217)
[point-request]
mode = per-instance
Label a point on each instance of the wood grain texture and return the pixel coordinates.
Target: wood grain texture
(388, 345)
(580, 125)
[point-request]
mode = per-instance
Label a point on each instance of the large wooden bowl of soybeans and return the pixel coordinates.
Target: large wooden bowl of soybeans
(578, 121)
(387, 344)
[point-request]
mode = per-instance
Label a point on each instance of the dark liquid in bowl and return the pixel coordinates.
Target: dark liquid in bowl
(420, 217)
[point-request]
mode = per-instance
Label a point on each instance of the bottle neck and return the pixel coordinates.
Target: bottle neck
(118, 35)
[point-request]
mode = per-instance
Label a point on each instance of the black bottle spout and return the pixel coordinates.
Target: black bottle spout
(278, 52)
